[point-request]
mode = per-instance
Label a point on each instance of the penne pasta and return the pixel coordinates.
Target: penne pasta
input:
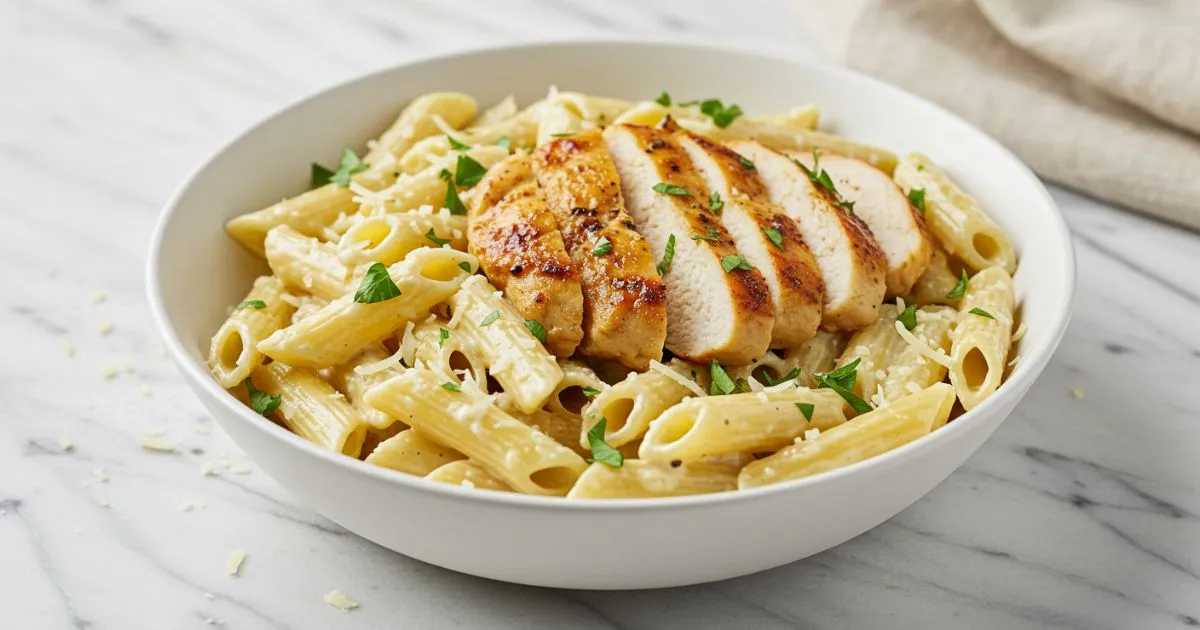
(306, 264)
(936, 285)
(388, 238)
(981, 337)
(233, 353)
(629, 406)
(413, 453)
(866, 436)
(355, 383)
(637, 479)
(819, 354)
(467, 474)
(312, 408)
(419, 120)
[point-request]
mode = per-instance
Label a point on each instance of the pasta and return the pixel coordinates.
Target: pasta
(380, 335)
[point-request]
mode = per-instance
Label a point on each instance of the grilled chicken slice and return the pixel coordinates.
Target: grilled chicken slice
(894, 222)
(511, 230)
(624, 300)
(767, 237)
(850, 260)
(711, 313)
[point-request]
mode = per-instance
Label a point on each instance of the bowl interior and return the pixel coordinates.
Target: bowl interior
(197, 272)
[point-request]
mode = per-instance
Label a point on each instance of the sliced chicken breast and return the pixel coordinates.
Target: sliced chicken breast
(511, 230)
(850, 260)
(767, 237)
(895, 223)
(711, 313)
(624, 299)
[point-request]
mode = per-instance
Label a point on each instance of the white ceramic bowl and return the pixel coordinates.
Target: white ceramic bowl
(196, 271)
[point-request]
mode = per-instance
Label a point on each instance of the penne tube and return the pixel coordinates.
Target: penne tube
(866, 436)
(306, 264)
(307, 305)
(354, 383)
(467, 474)
(419, 120)
(912, 369)
(338, 331)
(874, 347)
(560, 427)
(503, 110)
(955, 218)
(413, 453)
(981, 337)
(233, 353)
(312, 408)
(763, 370)
(465, 419)
(819, 354)
(637, 479)
(739, 423)
(497, 333)
(455, 356)
(936, 283)
(629, 406)
(579, 385)
(388, 238)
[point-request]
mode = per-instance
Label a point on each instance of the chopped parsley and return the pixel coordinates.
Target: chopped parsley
(721, 115)
(452, 203)
(908, 317)
(806, 409)
(468, 172)
(446, 175)
(537, 329)
(668, 256)
(714, 202)
(821, 178)
(671, 189)
(749, 166)
(960, 288)
(455, 145)
(735, 261)
(774, 236)
(710, 234)
(431, 235)
(601, 451)
(664, 99)
(721, 383)
(980, 312)
(795, 372)
(916, 197)
(603, 247)
(252, 304)
(443, 335)
(349, 165)
(465, 266)
(489, 318)
(590, 392)
(376, 286)
(261, 402)
(842, 381)
(451, 386)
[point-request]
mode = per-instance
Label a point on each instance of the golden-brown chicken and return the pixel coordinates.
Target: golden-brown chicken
(624, 300)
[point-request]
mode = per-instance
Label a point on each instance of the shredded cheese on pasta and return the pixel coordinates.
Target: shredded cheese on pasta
(921, 347)
(678, 378)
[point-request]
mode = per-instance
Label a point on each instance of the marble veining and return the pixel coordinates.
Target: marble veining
(1081, 512)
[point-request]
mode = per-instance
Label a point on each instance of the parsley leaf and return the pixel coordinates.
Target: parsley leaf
(735, 261)
(468, 172)
(721, 115)
(960, 288)
(671, 189)
(601, 451)
(537, 329)
(320, 175)
(603, 246)
(261, 402)
(590, 392)
(821, 178)
(431, 235)
(795, 372)
(842, 381)
(664, 99)
(916, 197)
(455, 145)
(980, 312)
(446, 175)
(806, 409)
(908, 317)
(489, 318)
(504, 142)
(714, 202)
(349, 165)
(443, 335)
(451, 386)
(668, 256)
(453, 203)
(749, 166)
(376, 286)
(710, 234)
(252, 304)
(465, 266)
(721, 383)
(774, 236)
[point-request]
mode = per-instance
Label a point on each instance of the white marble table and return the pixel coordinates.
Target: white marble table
(1081, 511)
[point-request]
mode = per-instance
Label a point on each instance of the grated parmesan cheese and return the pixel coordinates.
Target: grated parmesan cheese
(290, 299)
(678, 378)
(101, 474)
(110, 372)
(151, 443)
(98, 297)
(104, 327)
(240, 469)
(812, 434)
(206, 469)
(1020, 333)
(234, 564)
(1077, 393)
(924, 350)
(338, 600)
(144, 391)
(383, 364)
(66, 445)
(68, 348)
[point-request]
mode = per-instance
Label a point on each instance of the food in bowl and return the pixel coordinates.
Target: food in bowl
(595, 298)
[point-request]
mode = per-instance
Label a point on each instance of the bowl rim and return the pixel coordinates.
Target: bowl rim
(1014, 387)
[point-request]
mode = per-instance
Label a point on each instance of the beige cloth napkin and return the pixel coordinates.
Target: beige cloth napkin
(1098, 95)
